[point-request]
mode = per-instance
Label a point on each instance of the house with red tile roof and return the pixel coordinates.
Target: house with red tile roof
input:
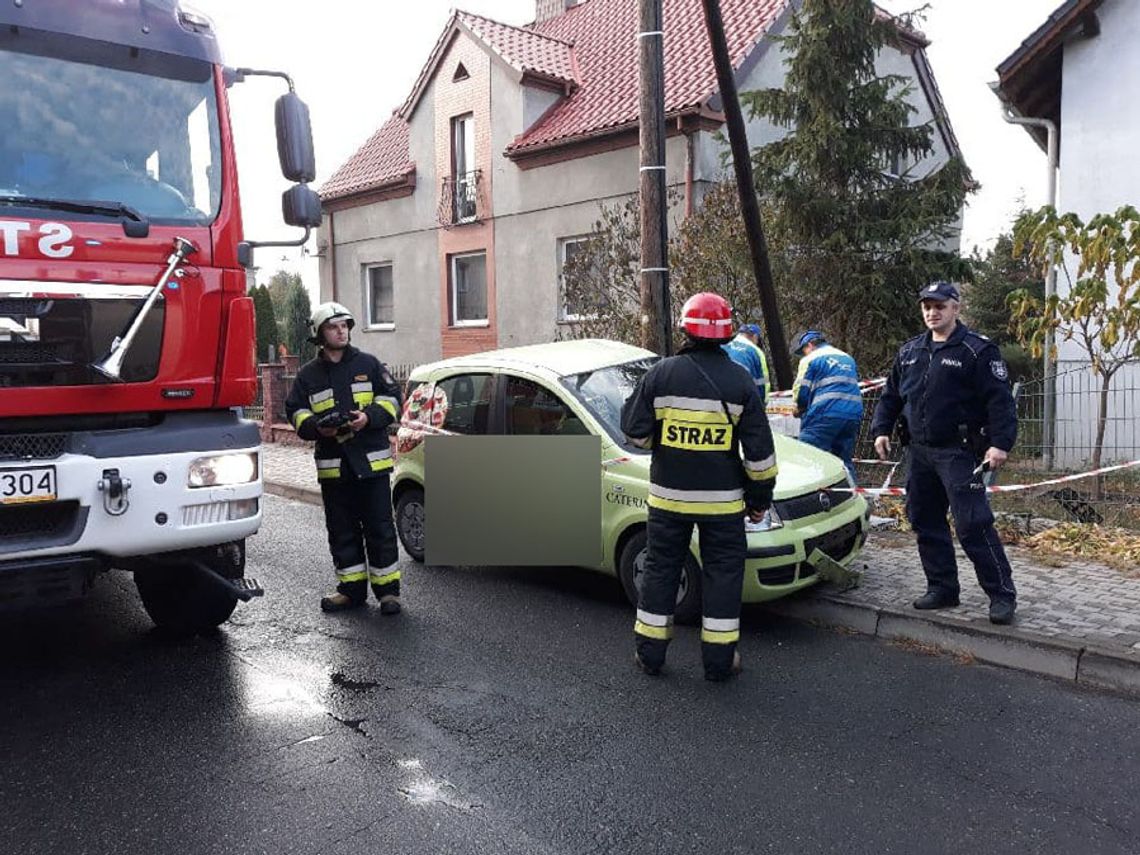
(448, 229)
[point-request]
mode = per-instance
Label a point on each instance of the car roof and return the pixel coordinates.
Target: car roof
(559, 358)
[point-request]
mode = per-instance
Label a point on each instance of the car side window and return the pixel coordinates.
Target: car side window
(468, 399)
(533, 410)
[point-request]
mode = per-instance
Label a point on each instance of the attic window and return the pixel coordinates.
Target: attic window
(460, 73)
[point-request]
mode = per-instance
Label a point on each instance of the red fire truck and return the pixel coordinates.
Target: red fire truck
(126, 334)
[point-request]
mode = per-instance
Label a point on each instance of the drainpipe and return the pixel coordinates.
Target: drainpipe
(332, 256)
(1050, 414)
(689, 157)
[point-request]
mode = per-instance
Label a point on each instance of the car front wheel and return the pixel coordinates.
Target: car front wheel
(631, 570)
(410, 522)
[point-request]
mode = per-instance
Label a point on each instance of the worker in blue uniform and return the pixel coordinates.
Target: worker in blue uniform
(827, 397)
(952, 387)
(746, 350)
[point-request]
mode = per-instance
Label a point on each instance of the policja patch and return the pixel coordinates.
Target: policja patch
(999, 370)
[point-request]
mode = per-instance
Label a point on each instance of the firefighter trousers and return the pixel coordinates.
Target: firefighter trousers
(941, 479)
(362, 536)
(723, 548)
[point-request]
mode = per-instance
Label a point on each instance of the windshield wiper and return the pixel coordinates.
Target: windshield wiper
(134, 223)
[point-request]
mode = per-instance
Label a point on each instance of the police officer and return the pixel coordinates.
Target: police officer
(828, 400)
(745, 350)
(696, 410)
(952, 387)
(344, 400)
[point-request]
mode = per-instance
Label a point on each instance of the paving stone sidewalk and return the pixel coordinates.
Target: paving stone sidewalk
(1078, 621)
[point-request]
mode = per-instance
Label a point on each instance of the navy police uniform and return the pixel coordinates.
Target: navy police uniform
(956, 400)
(353, 468)
(696, 411)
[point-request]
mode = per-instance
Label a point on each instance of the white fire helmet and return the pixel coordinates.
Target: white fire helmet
(324, 313)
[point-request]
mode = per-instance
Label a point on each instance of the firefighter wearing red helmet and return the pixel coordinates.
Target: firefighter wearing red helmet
(713, 462)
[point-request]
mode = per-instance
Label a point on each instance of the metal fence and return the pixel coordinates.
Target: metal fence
(1113, 499)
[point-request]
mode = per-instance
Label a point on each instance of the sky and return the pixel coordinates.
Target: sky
(355, 61)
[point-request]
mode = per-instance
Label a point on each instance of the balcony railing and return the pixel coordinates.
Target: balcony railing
(459, 199)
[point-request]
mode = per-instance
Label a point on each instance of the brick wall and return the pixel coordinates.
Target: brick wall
(452, 99)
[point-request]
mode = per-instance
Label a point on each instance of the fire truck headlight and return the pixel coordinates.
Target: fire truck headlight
(223, 470)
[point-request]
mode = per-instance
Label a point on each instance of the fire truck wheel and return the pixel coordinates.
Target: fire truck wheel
(181, 602)
(631, 565)
(410, 522)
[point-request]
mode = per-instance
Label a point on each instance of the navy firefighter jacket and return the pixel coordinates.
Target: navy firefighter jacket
(358, 382)
(941, 386)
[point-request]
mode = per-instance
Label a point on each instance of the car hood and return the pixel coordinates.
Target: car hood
(802, 467)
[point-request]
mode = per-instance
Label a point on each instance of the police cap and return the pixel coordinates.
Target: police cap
(939, 291)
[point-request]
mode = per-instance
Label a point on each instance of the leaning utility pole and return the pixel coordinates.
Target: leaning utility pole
(750, 209)
(656, 312)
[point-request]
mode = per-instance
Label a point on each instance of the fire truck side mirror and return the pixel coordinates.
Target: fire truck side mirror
(301, 206)
(295, 139)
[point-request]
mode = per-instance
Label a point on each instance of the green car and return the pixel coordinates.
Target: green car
(813, 531)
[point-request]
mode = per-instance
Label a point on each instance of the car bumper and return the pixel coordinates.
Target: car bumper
(780, 563)
(162, 514)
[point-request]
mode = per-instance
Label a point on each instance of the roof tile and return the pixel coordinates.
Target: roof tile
(382, 160)
(526, 50)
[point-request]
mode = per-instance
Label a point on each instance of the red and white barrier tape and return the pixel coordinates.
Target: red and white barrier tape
(996, 488)
(426, 428)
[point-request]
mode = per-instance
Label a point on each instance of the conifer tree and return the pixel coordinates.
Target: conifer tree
(860, 218)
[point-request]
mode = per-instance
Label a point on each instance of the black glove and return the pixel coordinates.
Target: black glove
(334, 420)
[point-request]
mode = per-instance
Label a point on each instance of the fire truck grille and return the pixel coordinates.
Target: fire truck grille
(32, 446)
(24, 306)
(28, 354)
(36, 522)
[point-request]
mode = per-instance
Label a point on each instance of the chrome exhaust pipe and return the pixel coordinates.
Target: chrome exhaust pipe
(111, 365)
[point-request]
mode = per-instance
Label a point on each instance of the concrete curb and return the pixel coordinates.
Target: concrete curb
(1008, 647)
(297, 494)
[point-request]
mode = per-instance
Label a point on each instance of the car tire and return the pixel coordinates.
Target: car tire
(632, 558)
(410, 522)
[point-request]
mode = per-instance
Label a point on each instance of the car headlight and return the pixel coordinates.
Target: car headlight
(770, 521)
(223, 470)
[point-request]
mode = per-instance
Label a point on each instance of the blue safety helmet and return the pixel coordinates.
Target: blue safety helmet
(807, 338)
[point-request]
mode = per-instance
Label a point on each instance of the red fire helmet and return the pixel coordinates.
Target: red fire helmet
(707, 316)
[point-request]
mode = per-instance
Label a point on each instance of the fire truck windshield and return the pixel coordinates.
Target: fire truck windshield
(115, 125)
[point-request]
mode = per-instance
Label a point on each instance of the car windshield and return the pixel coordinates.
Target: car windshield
(90, 122)
(605, 390)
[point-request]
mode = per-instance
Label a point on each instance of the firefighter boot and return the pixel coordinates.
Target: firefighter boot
(389, 605)
(719, 676)
(339, 602)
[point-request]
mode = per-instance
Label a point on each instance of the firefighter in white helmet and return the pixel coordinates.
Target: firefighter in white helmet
(344, 400)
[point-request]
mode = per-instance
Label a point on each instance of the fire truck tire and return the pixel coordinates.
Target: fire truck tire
(410, 522)
(181, 602)
(630, 564)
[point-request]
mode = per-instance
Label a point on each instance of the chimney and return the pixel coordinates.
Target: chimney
(545, 10)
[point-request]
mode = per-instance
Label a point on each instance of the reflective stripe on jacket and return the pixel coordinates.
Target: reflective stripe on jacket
(827, 384)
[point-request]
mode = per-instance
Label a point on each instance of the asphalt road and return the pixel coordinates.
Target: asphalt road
(500, 714)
